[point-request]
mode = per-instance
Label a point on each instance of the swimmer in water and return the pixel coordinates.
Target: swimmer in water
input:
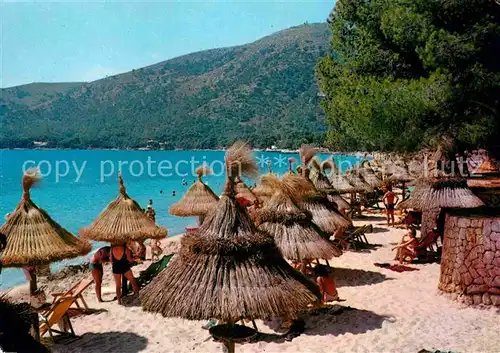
(161, 191)
(173, 193)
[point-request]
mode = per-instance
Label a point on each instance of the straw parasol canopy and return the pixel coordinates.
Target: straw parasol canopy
(325, 214)
(121, 221)
(417, 197)
(198, 200)
(264, 190)
(358, 181)
(338, 181)
(442, 193)
(228, 269)
(291, 162)
(322, 184)
(295, 234)
(33, 237)
(400, 175)
(369, 176)
(451, 193)
(487, 166)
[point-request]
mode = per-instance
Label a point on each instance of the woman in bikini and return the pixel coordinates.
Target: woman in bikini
(407, 247)
(100, 256)
(121, 257)
(326, 284)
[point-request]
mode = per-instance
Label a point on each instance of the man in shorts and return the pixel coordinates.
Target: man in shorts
(390, 200)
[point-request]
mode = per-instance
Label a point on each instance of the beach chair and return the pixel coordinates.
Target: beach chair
(75, 292)
(57, 314)
(426, 245)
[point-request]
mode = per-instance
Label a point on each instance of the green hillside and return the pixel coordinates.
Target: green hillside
(37, 93)
(263, 92)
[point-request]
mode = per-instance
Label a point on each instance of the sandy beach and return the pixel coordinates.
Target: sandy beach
(383, 311)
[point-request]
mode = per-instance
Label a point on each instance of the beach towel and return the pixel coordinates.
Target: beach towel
(152, 271)
(396, 268)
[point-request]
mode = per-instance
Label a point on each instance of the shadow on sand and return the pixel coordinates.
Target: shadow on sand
(104, 342)
(351, 277)
(331, 320)
(379, 230)
(364, 248)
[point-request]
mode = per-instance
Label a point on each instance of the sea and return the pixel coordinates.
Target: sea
(78, 184)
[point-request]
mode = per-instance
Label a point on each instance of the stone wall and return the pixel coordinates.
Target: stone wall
(470, 264)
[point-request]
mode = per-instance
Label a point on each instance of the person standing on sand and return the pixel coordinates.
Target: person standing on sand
(390, 200)
(100, 256)
(150, 211)
(121, 258)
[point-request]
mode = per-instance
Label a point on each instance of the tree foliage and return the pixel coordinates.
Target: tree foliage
(404, 72)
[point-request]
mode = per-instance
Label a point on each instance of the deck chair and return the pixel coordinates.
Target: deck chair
(57, 313)
(427, 244)
(75, 292)
(357, 234)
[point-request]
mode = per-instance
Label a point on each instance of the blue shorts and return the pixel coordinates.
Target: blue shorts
(390, 207)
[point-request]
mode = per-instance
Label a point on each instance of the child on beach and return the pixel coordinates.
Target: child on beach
(100, 256)
(326, 284)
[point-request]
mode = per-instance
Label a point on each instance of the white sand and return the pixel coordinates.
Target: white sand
(394, 312)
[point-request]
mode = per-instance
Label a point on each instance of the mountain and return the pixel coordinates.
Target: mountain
(263, 92)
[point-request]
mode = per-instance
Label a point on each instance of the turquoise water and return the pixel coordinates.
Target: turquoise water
(78, 184)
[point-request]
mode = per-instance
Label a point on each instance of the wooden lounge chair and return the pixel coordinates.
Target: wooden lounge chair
(427, 244)
(75, 292)
(357, 234)
(57, 313)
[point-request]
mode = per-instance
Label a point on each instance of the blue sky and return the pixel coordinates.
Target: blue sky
(85, 41)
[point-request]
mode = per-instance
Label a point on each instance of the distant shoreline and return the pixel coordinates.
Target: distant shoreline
(284, 151)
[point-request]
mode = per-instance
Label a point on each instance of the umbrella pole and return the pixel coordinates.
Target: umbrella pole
(404, 190)
(200, 220)
(33, 286)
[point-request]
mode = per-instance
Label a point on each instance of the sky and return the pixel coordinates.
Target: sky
(87, 40)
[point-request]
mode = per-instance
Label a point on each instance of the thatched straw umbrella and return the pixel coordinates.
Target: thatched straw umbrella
(264, 190)
(325, 214)
(121, 221)
(295, 234)
(369, 176)
(34, 238)
(400, 175)
(198, 200)
(451, 193)
(322, 184)
(291, 162)
(338, 180)
(417, 197)
(486, 167)
(354, 178)
(227, 269)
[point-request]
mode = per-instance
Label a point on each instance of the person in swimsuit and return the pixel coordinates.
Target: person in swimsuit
(100, 256)
(150, 211)
(407, 247)
(326, 284)
(390, 200)
(121, 257)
